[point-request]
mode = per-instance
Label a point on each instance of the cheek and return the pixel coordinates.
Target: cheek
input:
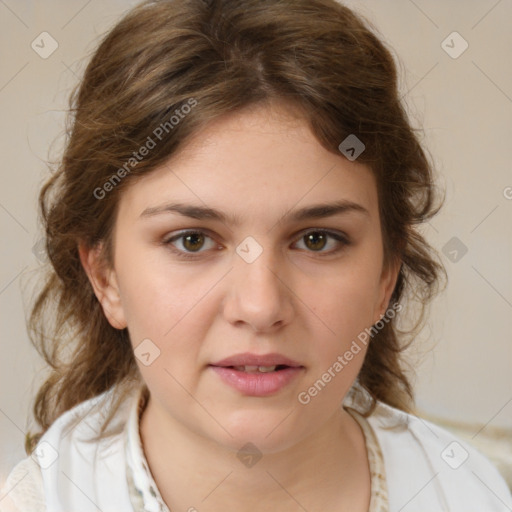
(346, 302)
(162, 304)
(343, 308)
(155, 296)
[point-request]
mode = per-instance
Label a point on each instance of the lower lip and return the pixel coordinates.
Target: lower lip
(257, 383)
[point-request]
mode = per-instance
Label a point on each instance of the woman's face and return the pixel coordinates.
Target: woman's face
(245, 268)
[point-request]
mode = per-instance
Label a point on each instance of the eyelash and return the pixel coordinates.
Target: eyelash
(341, 238)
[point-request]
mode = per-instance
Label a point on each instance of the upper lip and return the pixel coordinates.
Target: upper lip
(248, 359)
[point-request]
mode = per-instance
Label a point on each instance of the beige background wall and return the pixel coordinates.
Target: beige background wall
(464, 356)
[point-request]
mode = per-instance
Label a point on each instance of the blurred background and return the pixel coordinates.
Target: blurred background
(456, 80)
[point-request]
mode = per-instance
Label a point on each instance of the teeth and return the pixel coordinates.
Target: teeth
(265, 369)
(250, 369)
(254, 369)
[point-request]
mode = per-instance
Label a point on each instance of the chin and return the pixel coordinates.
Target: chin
(268, 431)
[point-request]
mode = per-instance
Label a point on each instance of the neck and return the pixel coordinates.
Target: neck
(322, 472)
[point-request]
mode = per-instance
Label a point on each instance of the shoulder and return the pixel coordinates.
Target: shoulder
(73, 467)
(23, 490)
(428, 466)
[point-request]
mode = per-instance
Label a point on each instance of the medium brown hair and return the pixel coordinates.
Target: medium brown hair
(225, 55)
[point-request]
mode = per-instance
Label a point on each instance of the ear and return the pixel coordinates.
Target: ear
(103, 280)
(387, 284)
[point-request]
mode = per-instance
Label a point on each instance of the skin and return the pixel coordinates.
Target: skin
(305, 301)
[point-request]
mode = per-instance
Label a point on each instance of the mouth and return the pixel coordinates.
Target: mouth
(257, 362)
(259, 369)
(257, 375)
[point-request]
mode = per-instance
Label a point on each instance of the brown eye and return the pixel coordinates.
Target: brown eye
(193, 242)
(323, 242)
(190, 243)
(315, 240)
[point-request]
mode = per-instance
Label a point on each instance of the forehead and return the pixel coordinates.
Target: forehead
(261, 160)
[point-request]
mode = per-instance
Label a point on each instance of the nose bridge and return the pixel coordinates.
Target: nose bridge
(258, 295)
(258, 268)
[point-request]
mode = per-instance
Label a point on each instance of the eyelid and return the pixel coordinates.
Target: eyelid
(185, 232)
(334, 233)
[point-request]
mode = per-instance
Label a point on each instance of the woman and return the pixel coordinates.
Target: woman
(232, 238)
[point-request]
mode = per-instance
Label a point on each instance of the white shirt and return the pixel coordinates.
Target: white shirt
(426, 468)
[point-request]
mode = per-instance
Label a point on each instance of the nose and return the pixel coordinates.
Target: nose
(259, 293)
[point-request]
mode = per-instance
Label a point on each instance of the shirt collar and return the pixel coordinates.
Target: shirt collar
(144, 493)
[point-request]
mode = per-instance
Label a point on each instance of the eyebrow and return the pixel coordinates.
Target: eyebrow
(315, 211)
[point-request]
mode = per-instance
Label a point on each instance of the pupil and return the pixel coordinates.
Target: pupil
(315, 241)
(193, 242)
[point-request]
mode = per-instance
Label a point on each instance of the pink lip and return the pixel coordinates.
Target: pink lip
(257, 384)
(248, 359)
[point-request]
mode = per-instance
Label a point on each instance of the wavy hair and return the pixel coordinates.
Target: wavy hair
(316, 55)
